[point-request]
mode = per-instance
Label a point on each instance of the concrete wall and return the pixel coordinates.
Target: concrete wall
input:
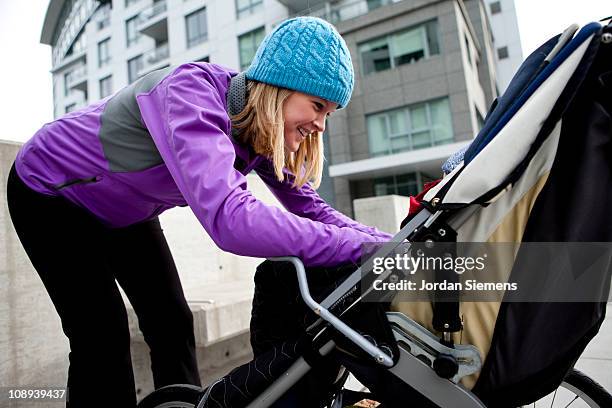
(33, 349)
(384, 212)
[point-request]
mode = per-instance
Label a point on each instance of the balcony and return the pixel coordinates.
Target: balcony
(77, 79)
(300, 5)
(72, 29)
(153, 21)
(426, 160)
(338, 12)
(155, 59)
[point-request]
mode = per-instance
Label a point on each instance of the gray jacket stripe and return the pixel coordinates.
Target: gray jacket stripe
(127, 144)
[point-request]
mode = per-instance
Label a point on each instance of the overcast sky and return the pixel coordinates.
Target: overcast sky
(26, 101)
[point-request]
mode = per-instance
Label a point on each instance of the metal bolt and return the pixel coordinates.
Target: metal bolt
(380, 358)
(429, 243)
(441, 232)
(446, 325)
(606, 38)
(393, 278)
(420, 252)
(435, 201)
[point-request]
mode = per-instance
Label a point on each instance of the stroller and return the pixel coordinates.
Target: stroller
(538, 172)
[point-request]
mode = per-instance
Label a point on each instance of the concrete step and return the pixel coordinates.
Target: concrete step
(221, 315)
(220, 311)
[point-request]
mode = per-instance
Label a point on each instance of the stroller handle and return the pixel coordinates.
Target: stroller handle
(379, 356)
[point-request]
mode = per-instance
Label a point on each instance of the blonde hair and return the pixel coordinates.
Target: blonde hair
(262, 125)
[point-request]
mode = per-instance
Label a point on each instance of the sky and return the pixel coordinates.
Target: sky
(26, 101)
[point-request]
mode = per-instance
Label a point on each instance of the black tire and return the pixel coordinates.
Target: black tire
(172, 396)
(587, 389)
(576, 390)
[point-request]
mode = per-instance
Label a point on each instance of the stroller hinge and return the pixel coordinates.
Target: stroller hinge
(446, 318)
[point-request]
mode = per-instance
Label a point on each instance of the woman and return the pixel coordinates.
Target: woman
(86, 190)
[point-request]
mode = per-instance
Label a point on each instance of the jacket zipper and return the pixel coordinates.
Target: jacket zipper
(74, 182)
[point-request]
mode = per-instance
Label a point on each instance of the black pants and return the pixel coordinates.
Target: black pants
(79, 261)
(278, 323)
(280, 317)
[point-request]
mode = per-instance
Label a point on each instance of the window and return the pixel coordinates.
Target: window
(66, 82)
(197, 29)
(204, 59)
(401, 184)
(409, 128)
(79, 44)
(247, 46)
(104, 56)
(132, 34)
(502, 53)
(247, 7)
(479, 119)
(135, 65)
(374, 4)
(104, 14)
(467, 49)
(128, 3)
(400, 48)
(156, 55)
(106, 86)
(495, 7)
(70, 108)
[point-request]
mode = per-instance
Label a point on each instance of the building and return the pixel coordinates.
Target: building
(425, 71)
(508, 51)
(101, 46)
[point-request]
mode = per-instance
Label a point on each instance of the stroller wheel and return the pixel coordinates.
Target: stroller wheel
(577, 390)
(587, 389)
(172, 396)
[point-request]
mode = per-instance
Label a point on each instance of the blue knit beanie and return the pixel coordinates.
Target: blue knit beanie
(308, 55)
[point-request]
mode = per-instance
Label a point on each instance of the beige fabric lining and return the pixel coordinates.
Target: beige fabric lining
(479, 317)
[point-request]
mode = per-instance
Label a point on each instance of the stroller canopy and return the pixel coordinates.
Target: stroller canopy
(521, 120)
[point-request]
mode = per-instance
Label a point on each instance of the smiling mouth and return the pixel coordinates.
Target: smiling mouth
(303, 132)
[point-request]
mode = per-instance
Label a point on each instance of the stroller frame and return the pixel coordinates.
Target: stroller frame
(409, 368)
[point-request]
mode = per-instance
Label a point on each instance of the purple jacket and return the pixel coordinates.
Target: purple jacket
(165, 141)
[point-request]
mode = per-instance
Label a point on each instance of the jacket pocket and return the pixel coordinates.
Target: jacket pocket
(77, 181)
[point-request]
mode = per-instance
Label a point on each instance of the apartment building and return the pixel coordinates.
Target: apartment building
(101, 46)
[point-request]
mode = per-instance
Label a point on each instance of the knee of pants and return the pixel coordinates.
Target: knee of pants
(174, 324)
(100, 346)
(98, 333)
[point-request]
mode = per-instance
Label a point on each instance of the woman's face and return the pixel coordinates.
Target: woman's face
(304, 114)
